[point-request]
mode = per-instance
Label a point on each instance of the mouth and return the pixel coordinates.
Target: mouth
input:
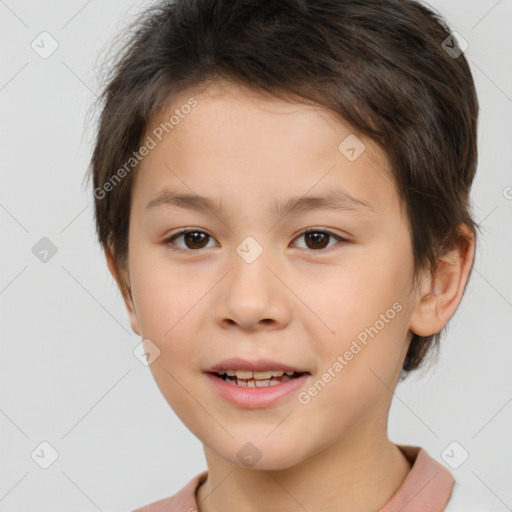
(250, 379)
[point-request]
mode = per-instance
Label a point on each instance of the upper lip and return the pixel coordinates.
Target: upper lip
(259, 365)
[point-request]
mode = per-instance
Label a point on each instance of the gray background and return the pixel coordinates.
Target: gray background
(68, 374)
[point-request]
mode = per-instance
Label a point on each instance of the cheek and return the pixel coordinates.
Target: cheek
(169, 302)
(366, 312)
(349, 298)
(161, 293)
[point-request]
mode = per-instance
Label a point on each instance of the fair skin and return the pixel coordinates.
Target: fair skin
(298, 302)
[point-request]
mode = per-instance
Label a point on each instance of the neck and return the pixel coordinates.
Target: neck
(346, 477)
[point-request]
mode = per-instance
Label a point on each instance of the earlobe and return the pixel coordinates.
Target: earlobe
(440, 294)
(128, 300)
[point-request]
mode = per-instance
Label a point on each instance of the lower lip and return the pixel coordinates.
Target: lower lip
(256, 398)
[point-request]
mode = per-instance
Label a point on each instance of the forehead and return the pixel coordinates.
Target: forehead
(260, 138)
(223, 108)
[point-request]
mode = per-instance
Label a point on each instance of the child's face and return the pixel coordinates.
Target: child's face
(302, 302)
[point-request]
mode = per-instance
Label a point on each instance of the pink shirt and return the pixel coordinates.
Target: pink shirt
(427, 488)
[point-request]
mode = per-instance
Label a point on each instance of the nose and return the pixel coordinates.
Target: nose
(253, 296)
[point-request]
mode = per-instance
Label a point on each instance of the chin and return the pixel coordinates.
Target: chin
(262, 455)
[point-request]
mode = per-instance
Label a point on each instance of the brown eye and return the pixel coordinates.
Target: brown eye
(193, 239)
(318, 240)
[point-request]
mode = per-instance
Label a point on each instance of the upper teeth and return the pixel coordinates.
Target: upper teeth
(243, 374)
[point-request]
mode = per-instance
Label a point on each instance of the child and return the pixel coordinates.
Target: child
(282, 193)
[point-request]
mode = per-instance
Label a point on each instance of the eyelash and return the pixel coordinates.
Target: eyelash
(170, 240)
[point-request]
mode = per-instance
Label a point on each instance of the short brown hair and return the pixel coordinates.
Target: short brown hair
(380, 65)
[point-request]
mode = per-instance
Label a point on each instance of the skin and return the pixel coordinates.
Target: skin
(296, 304)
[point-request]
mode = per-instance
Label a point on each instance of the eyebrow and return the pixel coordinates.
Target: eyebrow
(335, 199)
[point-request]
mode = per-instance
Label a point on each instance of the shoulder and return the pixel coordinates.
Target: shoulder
(163, 505)
(183, 501)
(465, 499)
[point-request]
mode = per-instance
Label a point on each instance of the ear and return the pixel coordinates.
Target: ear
(440, 294)
(132, 315)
